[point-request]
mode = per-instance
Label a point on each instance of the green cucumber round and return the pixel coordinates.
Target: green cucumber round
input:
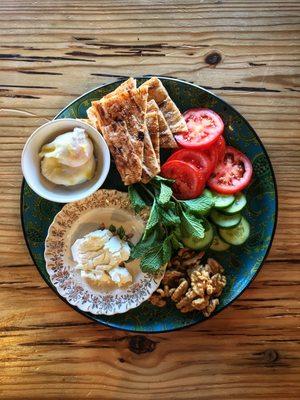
(207, 193)
(237, 206)
(237, 235)
(225, 221)
(218, 244)
(200, 244)
(223, 200)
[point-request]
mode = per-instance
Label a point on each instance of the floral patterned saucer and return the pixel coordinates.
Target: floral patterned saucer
(74, 221)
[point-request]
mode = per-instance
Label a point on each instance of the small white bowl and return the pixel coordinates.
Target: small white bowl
(31, 162)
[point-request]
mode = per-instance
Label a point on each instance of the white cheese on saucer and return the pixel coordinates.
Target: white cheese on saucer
(100, 252)
(120, 276)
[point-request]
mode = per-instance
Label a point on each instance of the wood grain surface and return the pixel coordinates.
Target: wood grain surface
(248, 53)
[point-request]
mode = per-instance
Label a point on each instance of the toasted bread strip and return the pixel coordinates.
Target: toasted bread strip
(128, 106)
(91, 112)
(153, 129)
(157, 92)
(120, 145)
(129, 84)
(166, 139)
(150, 164)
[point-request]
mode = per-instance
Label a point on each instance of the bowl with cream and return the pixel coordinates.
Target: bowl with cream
(65, 160)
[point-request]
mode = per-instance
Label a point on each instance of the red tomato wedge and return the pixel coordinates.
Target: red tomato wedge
(197, 158)
(232, 174)
(189, 183)
(204, 128)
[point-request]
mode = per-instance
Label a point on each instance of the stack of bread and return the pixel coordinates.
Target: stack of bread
(135, 123)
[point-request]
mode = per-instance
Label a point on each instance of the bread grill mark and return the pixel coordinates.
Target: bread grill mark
(141, 136)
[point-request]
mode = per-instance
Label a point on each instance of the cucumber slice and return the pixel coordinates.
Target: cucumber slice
(237, 206)
(237, 235)
(223, 200)
(207, 193)
(218, 244)
(225, 221)
(200, 244)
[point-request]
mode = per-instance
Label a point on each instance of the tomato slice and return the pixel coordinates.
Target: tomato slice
(212, 154)
(195, 157)
(220, 144)
(216, 153)
(189, 182)
(232, 174)
(204, 128)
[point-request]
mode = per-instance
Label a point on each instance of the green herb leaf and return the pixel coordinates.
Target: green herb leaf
(136, 200)
(165, 194)
(191, 226)
(177, 232)
(121, 232)
(159, 178)
(112, 228)
(167, 250)
(169, 217)
(141, 248)
(153, 217)
(157, 256)
(200, 206)
(153, 259)
(176, 243)
(170, 206)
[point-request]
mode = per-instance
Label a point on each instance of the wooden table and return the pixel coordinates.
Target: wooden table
(248, 53)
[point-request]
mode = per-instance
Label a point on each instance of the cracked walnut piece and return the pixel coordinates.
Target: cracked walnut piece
(198, 288)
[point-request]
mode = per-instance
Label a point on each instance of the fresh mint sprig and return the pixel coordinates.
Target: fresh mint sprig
(136, 199)
(165, 194)
(191, 226)
(169, 220)
(200, 206)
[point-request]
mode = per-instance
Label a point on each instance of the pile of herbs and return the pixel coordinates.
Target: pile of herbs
(169, 221)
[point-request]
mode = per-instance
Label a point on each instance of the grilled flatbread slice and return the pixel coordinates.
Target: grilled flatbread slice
(153, 128)
(129, 84)
(151, 144)
(120, 145)
(157, 92)
(128, 106)
(150, 165)
(166, 139)
(91, 112)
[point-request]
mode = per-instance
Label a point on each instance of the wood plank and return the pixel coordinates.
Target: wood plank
(254, 337)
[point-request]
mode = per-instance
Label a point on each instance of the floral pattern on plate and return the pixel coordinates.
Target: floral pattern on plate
(85, 215)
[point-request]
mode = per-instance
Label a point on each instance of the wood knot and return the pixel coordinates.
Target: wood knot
(213, 58)
(270, 355)
(139, 344)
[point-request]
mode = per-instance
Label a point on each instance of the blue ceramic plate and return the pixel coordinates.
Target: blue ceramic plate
(241, 263)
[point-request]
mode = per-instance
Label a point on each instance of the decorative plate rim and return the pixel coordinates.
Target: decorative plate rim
(111, 325)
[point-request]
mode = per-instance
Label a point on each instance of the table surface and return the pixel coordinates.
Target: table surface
(248, 53)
